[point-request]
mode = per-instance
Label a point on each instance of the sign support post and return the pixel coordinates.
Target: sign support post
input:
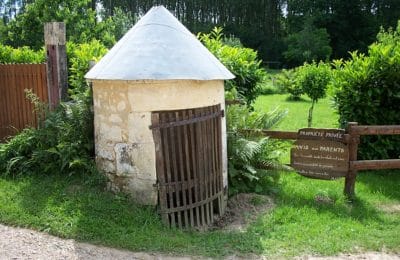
(351, 176)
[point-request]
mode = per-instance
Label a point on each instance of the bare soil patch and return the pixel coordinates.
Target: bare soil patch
(242, 209)
(390, 208)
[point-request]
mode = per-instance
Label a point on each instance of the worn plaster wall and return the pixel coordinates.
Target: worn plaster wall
(125, 149)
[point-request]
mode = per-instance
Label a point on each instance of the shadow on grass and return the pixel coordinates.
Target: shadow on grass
(297, 100)
(330, 201)
(385, 182)
(72, 207)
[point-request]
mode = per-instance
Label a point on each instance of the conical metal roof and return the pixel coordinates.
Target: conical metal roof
(159, 47)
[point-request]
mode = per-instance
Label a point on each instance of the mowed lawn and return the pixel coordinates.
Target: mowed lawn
(310, 217)
(313, 215)
(324, 115)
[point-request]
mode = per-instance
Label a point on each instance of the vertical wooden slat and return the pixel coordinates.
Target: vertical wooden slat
(167, 161)
(160, 167)
(2, 102)
(212, 161)
(16, 119)
(20, 103)
(194, 144)
(206, 164)
(189, 171)
(175, 168)
(7, 107)
(26, 109)
(200, 164)
(181, 163)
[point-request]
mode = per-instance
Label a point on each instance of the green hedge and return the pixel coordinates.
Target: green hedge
(21, 55)
(242, 62)
(368, 92)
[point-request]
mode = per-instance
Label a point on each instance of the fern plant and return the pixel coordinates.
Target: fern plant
(63, 142)
(253, 161)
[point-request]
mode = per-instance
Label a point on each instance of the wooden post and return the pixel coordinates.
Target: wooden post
(57, 72)
(350, 180)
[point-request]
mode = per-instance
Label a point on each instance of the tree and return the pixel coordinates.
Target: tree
(314, 79)
(310, 44)
(26, 29)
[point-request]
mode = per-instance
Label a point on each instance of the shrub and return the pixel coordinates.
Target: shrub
(287, 81)
(367, 90)
(242, 62)
(253, 161)
(79, 57)
(314, 79)
(21, 55)
(63, 142)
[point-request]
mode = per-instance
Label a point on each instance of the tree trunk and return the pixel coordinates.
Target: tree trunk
(310, 113)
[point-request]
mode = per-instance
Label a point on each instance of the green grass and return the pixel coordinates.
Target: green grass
(324, 115)
(310, 217)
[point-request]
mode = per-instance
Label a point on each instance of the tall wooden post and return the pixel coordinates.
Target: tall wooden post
(57, 72)
(350, 180)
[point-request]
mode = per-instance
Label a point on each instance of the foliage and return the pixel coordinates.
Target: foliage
(82, 25)
(79, 58)
(287, 81)
(252, 160)
(368, 92)
(242, 62)
(20, 55)
(308, 45)
(261, 25)
(314, 79)
(351, 25)
(63, 142)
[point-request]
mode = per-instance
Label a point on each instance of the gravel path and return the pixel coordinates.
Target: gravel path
(19, 243)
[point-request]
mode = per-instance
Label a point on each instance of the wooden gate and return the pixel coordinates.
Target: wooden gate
(16, 112)
(189, 165)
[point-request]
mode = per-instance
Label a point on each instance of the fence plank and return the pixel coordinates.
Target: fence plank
(16, 111)
(376, 129)
(375, 164)
(273, 134)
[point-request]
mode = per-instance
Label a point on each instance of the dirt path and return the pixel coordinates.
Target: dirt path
(19, 243)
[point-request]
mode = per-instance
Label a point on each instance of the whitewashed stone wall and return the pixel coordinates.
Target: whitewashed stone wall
(125, 149)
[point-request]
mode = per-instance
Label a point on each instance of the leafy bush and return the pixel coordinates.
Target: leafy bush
(287, 81)
(314, 79)
(253, 161)
(79, 57)
(242, 62)
(63, 142)
(21, 55)
(367, 90)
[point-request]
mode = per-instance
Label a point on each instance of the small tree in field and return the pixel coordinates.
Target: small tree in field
(314, 79)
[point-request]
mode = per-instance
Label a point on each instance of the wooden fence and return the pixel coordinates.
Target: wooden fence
(16, 112)
(351, 139)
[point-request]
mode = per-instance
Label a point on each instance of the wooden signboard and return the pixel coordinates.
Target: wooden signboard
(320, 153)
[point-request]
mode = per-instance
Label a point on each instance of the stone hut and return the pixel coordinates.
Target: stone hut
(160, 132)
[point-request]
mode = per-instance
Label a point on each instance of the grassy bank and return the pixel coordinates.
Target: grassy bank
(310, 217)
